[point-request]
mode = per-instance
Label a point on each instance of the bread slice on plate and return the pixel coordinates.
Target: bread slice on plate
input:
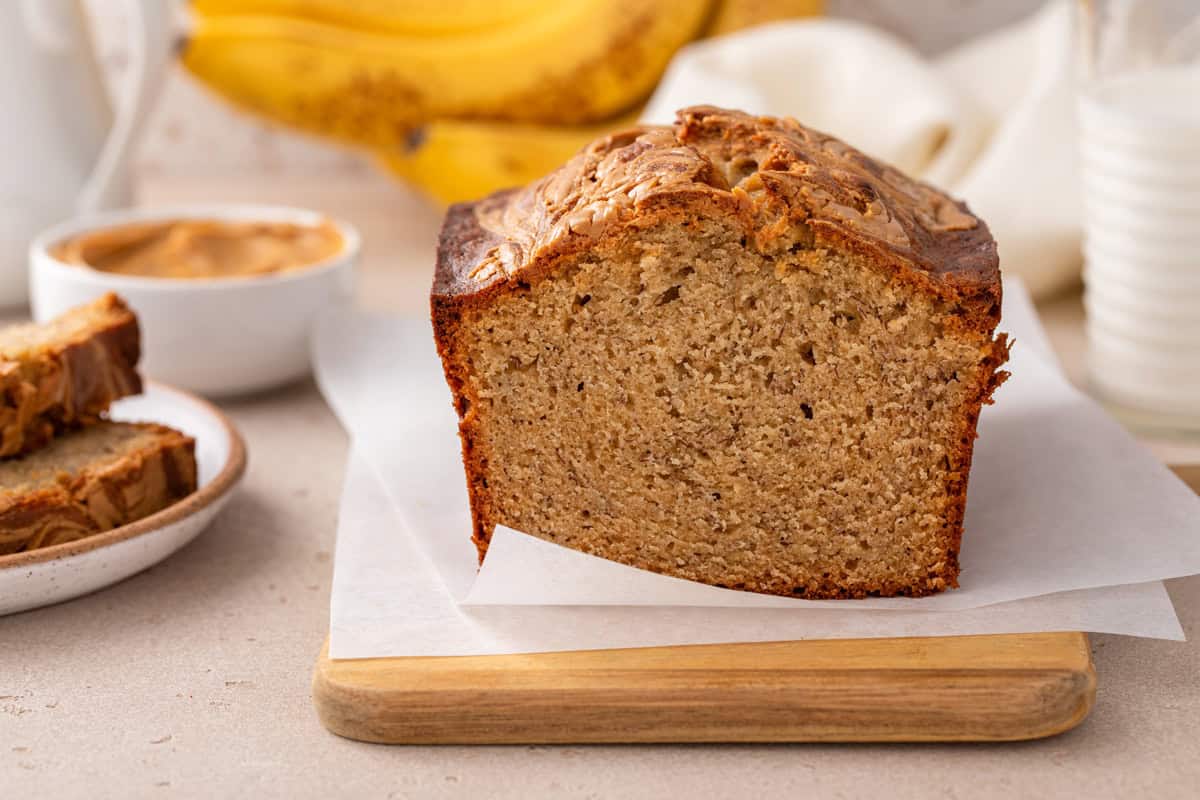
(735, 350)
(92, 480)
(65, 372)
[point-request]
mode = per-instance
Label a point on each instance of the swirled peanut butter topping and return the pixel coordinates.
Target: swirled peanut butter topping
(95, 479)
(202, 248)
(65, 372)
(779, 174)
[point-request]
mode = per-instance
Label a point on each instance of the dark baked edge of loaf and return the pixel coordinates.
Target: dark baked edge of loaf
(463, 241)
(62, 500)
(804, 175)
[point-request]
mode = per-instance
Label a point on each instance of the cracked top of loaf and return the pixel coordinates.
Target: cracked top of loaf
(786, 184)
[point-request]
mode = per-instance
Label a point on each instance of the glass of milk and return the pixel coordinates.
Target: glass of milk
(1139, 120)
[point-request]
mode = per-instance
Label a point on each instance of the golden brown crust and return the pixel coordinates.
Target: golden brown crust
(446, 321)
(775, 175)
(69, 382)
(785, 184)
(991, 377)
(103, 495)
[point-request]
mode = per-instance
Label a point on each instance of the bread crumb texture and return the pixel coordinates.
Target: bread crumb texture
(792, 415)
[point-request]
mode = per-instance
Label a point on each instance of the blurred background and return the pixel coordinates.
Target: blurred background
(192, 131)
(253, 104)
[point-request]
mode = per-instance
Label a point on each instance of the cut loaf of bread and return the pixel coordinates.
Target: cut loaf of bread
(92, 480)
(736, 351)
(65, 372)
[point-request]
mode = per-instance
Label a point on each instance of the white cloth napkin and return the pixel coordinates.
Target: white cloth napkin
(992, 122)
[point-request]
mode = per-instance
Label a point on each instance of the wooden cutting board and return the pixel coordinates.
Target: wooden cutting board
(948, 689)
(961, 688)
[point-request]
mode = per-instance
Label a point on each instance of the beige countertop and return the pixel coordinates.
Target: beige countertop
(192, 679)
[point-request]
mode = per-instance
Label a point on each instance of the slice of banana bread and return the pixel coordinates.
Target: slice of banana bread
(65, 372)
(736, 351)
(92, 480)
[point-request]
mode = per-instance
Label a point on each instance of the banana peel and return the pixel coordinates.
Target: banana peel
(571, 63)
(458, 97)
(453, 161)
(407, 17)
(735, 15)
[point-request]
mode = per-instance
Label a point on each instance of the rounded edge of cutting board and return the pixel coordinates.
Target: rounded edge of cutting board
(1008, 687)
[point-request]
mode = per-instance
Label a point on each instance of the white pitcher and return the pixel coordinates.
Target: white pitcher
(63, 150)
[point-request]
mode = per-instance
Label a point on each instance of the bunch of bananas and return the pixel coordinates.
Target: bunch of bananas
(460, 97)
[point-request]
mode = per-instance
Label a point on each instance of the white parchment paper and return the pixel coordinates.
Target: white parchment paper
(1066, 516)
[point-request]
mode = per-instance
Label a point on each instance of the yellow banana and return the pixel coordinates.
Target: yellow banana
(454, 160)
(734, 15)
(460, 97)
(415, 17)
(574, 61)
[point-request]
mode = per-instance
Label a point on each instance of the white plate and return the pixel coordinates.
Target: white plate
(52, 574)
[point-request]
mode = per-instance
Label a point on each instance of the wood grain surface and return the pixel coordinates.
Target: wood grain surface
(963, 688)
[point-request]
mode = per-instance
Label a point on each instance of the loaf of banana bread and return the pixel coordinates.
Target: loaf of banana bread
(65, 372)
(92, 480)
(735, 350)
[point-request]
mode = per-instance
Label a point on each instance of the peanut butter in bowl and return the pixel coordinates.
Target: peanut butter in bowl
(227, 295)
(199, 249)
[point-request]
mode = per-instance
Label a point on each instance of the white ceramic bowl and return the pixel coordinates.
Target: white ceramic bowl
(1181, 356)
(1180, 308)
(1104, 190)
(1175, 387)
(1144, 108)
(217, 337)
(1124, 245)
(1131, 390)
(1140, 274)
